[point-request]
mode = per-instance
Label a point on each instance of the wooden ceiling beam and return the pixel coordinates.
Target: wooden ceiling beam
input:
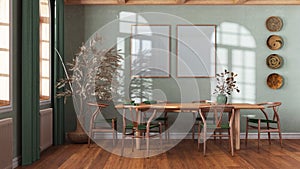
(239, 1)
(180, 1)
(122, 2)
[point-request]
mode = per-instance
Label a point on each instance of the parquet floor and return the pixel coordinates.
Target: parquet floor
(183, 156)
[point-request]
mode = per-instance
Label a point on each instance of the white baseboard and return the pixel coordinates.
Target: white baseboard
(242, 136)
(189, 135)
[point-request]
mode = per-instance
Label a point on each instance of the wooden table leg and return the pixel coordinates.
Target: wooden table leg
(237, 128)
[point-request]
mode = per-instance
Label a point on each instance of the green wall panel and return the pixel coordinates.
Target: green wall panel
(241, 47)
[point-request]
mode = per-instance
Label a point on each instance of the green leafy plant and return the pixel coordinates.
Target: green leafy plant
(226, 83)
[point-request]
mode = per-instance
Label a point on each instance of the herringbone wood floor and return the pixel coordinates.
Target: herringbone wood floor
(184, 156)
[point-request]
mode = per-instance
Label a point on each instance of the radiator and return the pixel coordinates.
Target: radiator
(6, 143)
(46, 128)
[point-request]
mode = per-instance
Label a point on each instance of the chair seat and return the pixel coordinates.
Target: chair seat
(261, 120)
(161, 119)
(213, 126)
(141, 126)
(107, 120)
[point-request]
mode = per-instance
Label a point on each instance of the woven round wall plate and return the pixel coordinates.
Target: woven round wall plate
(274, 23)
(275, 81)
(274, 42)
(274, 61)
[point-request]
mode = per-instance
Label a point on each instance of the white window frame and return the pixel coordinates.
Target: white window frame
(46, 102)
(8, 108)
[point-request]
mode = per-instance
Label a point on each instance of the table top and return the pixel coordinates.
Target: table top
(189, 106)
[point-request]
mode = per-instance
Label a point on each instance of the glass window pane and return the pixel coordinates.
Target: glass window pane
(45, 72)
(45, 50)
(45, 88)
(4, 62)
(45, 31)
(44, 8)
(4, 88)
(4, 11)
(4, 34)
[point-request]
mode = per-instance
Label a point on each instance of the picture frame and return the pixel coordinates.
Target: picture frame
(150, 51)
(196, 51)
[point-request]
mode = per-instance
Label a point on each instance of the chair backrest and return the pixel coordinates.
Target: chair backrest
(271, 108)
(217, 111)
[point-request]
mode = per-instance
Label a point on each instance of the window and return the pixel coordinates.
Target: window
(45, 61)
(5, 58)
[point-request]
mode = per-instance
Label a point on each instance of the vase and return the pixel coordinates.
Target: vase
(221, 99)
(78, 136)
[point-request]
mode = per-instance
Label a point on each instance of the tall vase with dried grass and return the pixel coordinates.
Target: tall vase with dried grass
(89, 75)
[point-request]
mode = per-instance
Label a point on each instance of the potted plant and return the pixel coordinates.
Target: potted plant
(225, 86)
(90, 75)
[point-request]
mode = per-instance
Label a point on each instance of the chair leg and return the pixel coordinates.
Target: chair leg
(113, 132)
(147, 143)
(90, 134)
(204, 141)
(89, 141)
(116, 130)
(193, 132)
(229, 138)
(199, 136)
(160, 137)
(279, 132)
(167, 134)
(132, 144)
(246, 137)
(122, 147)
(269, 133)
(231, 142)
(258, 133)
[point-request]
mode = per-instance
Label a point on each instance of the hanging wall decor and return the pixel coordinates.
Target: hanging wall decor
(274, 23)
(275, 81)
(274, 42)
(274, 61)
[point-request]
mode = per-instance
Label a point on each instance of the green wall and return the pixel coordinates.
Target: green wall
(245, 56)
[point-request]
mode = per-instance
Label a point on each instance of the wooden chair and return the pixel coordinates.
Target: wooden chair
(94, 121)
(218, 124)
(265, 124)
(197, 119)
(163, 119)
(140, 130)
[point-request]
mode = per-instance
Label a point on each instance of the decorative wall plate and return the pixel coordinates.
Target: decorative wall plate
(274, 23)
(275, 81)
(274, 61)
(274, 42)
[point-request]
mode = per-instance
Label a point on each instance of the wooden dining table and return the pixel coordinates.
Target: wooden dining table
(192, 107)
